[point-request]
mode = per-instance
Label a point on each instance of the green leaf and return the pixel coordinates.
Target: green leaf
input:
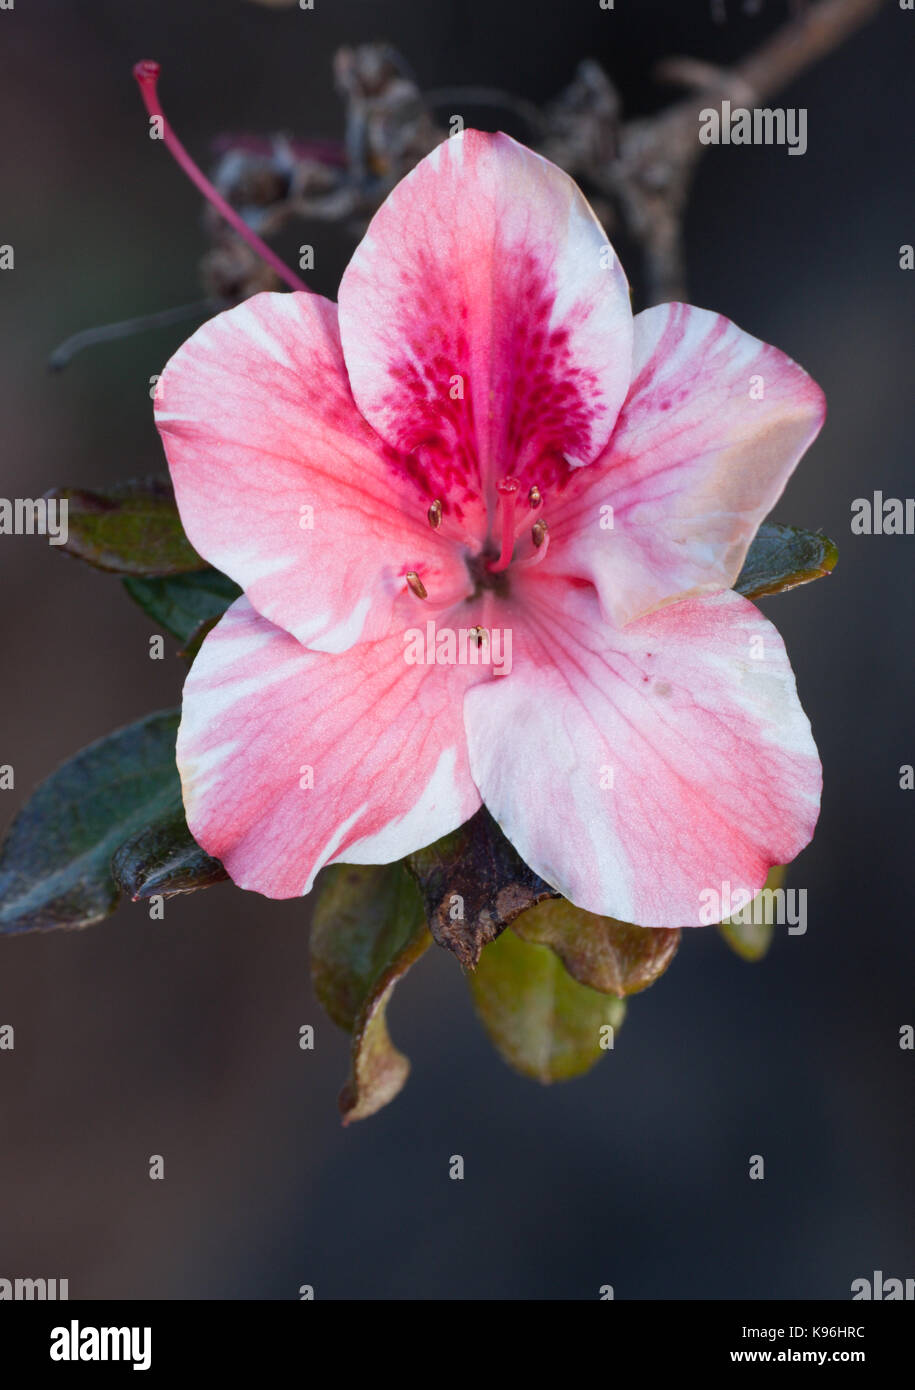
(131, 528)
(542, 1022)
(164, 858)
(185, 605)
(367, 931)
(751, 940)
(610, 956)
(474, 883)
(55, 864)
(781, 557)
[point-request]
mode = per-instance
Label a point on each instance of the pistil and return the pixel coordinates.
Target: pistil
(147, 75)
(508, 497)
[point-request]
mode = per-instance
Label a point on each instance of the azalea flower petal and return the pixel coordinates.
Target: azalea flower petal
(486, 321)
(381, 741)
(636, 768)
(283, 485)
(711, 431)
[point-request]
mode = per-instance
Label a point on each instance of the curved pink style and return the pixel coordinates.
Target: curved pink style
(486, 524)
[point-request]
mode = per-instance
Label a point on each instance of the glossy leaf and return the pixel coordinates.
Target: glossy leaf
(542, 1022)
(610, 956)
(185, 605)
(55, 864)
(164, 858)
(474, 884)
(782, 557)
(752, 939)
(131, 528)
(368, 929)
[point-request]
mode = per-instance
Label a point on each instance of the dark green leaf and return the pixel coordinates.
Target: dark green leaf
(610, 956)
(751, 940)
(185, 605)
(55, 864)
(164, 858)
(543, 1023)
(132, 528)
(783, 556)
(474, 884)
(367, 931)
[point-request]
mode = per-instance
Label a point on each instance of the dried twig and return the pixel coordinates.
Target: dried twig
(638, 170)
(641, 169)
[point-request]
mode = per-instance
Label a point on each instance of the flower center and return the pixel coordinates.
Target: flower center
(489, 568)
(511, 521)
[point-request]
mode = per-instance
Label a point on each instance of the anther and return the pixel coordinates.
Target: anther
(534, 497)
(435, 515)
(540, 535)
(479, 635)
(416, 584)
(147, 75)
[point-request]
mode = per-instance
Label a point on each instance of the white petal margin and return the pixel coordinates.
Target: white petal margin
(292, 759)
(639, 769)
(712, 429)
(281, 483)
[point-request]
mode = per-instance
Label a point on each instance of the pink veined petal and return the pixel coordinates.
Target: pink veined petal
(486, 321)
(382, 743)
(283, 485)
(712, 429)
(638, 769)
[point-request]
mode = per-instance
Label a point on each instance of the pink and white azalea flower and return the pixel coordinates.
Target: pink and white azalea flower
(482, 436)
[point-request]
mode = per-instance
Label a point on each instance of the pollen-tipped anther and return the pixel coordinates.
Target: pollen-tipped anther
(416, 584)
(435, 515)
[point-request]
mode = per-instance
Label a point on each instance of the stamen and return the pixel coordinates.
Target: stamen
(534, 497)
(540, 535)
(435, 515)
(147, 75)
(508, 496)
(416, 584)
(479, 635)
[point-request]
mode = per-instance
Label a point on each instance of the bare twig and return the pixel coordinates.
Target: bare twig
(111, 332)
(816, 31)
(651, 175)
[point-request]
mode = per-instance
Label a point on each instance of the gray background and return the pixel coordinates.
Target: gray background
(180, 1037)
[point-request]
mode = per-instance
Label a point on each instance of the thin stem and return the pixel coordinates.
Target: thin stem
(109, 332)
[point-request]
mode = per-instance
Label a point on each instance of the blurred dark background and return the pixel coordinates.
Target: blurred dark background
(180, 1037)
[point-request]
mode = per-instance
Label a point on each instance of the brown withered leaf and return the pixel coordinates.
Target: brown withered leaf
(474, 884)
